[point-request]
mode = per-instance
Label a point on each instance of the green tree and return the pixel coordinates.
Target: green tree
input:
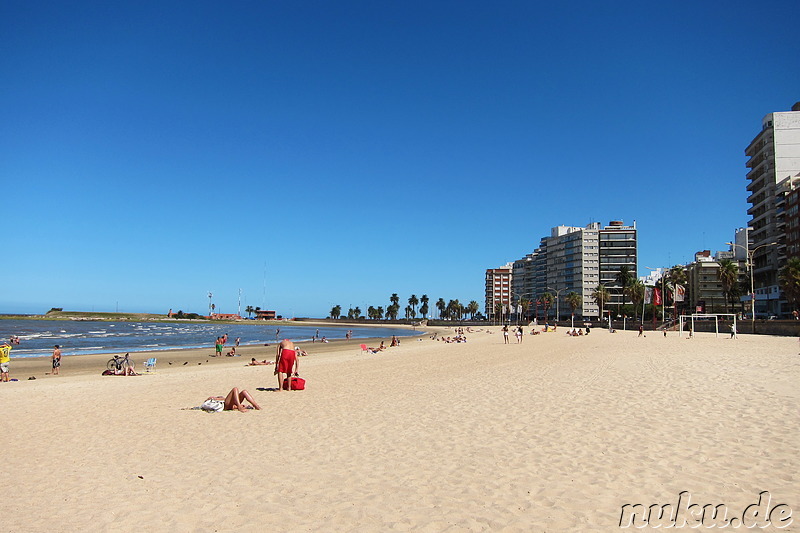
(413, 302)
(624, 278)
(728, 274)
(789, 277)
(336, 311)
(574, 300)
(423, 310)
(249, 310)
(379, 312)
(441, 306)
(472, 308)
(498, 311)
(356, 313)
(546, 300)
(525, 304)
(394, 299)
(601, 296)
(636, 292)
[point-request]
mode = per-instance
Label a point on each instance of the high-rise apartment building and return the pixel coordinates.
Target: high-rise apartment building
(498, 289)
(576, 259)
(774, 163)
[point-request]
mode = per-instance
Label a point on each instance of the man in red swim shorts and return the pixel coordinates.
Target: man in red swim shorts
(286, 361)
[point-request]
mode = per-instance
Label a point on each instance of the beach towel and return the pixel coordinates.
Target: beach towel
(212, 406)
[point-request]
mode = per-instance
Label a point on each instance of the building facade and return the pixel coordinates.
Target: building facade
(576, 259)
(774, 163)
(498, 290)
(704, 290)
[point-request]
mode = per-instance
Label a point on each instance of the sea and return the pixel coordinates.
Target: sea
(77, 337)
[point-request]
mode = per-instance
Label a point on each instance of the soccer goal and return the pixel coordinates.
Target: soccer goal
(705, 317)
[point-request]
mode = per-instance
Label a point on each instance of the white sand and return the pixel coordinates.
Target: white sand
(555, 434)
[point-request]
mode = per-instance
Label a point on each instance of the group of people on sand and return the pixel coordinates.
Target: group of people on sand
(457, 338)
(287, 364)
(518, 333)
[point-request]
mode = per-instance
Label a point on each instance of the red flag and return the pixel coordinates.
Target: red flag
(657, 296)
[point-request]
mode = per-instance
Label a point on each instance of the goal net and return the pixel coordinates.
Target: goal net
(690, 320)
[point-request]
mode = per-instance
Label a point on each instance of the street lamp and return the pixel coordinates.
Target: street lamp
(558, 312)
(750, 255)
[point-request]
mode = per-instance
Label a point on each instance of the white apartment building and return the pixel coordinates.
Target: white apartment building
(773, 160)
(576, 259)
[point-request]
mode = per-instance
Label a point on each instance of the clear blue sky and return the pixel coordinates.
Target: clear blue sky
(151, 152)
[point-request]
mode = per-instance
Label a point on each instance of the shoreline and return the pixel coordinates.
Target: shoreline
(22, 368)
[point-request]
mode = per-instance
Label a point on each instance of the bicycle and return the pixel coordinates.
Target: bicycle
(118, 362)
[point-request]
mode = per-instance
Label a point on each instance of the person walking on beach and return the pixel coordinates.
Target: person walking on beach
(641, 330)
(505, 334)
(56, 359)
(733, 332)
(5, 360)
(286, 362)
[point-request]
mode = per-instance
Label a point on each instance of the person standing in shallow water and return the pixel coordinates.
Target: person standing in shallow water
(56, 359)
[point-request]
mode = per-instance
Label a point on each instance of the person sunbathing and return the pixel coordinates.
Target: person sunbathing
(253, 362)
(233, 401)
(232, 353)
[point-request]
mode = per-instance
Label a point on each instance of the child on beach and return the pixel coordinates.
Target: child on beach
(5, 360)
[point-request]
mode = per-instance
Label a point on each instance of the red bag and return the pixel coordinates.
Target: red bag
(297, 384)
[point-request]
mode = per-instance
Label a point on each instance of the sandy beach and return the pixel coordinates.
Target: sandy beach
(554, 434)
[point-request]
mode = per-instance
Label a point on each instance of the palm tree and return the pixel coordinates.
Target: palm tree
(249, 310)
(336, 311)
(394, 299)
(574, 300)
(625, 278)
(379, 313)
(356, 313)
(728, 276)
(525, 304)
(391, 311)
(371, 312)
(675, 276)
(601, 296)
(547, 302)
(789, 277)
(472, 308)
(441, 306)
(423, 310)
(454, 309)
(412, 301)
(636, 292)
(498, 311)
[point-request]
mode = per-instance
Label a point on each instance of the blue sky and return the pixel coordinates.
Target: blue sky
(321, 153)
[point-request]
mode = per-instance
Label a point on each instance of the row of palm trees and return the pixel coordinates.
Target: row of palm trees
(452, 310)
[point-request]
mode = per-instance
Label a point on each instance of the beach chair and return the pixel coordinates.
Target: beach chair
(364, 349)
(150, 365)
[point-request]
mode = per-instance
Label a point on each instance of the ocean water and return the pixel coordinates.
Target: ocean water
(76, 337)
